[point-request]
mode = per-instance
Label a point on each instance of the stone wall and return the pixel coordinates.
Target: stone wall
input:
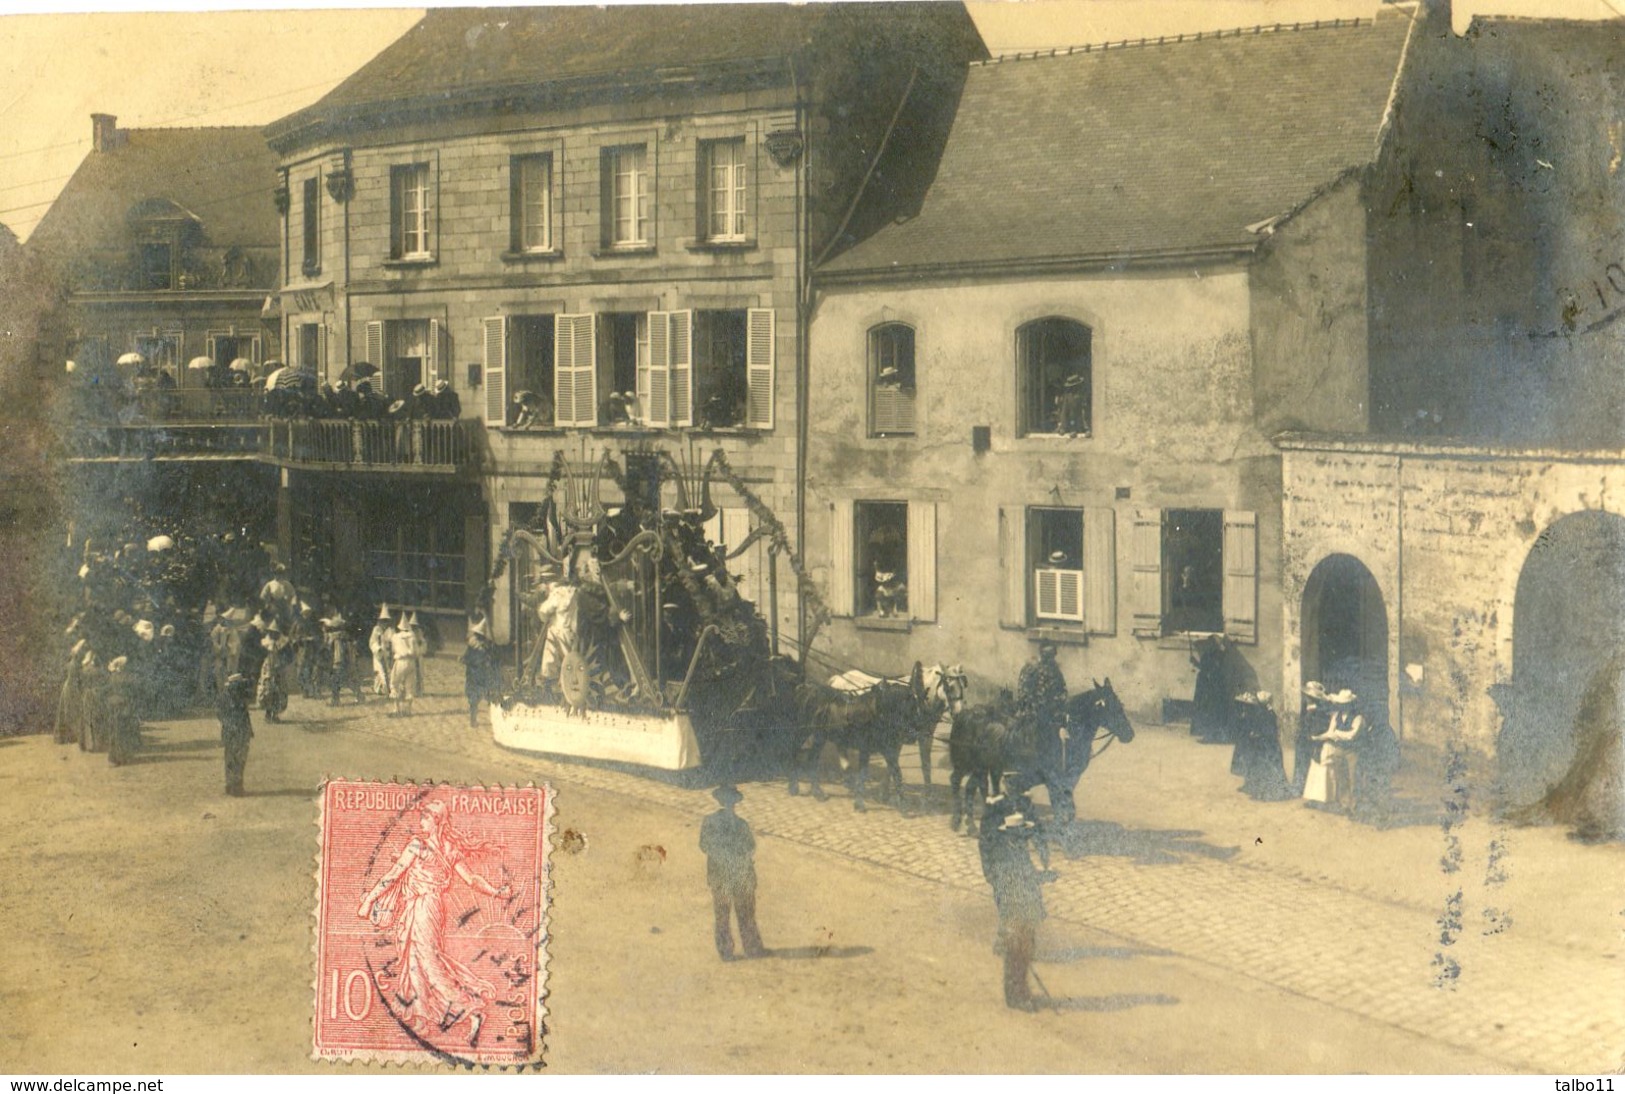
(1446, 531)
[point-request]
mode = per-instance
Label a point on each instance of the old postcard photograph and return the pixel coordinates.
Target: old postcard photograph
(1078, 537)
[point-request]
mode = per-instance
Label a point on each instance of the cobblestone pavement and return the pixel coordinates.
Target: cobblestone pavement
(1532, 1003)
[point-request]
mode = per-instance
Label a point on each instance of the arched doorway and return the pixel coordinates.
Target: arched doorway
(1345, 631)
(1568, 627)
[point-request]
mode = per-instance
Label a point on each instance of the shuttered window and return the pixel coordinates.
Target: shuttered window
(891, 380)
(654, 377)
(922, 560)
(495, 370)
(575, 365)
(1145, 554)
(681, 365)
(759, 367)
(374, 348)
(1241, 575)
(1014, 564)
(842, 599)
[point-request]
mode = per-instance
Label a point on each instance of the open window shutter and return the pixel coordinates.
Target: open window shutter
(922, 560)
(495, 371)
(586, 368)
(654, 382)
(213, 354)
(759, 352)
(1241, 575)
(841, 592)
(1013, 561)
(375, 348)
(323, 353)
(1147, 561)
(1100, 570)
(564, 374)
(431, 353)
(575, 358)
(681, 363)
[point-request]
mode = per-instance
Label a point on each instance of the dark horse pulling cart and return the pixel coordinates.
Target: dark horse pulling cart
(872, 715)
(991, 741)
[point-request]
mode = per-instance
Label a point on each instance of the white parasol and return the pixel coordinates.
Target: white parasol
(198, 364)
(132, 358)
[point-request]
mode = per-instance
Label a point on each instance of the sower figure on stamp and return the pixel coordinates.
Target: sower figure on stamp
(412, 900)
(235, 728)
(730, 869)
(1008, 866)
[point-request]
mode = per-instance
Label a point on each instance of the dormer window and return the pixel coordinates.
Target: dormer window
(156, 270)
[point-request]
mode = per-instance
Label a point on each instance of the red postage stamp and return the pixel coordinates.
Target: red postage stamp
(431, 923)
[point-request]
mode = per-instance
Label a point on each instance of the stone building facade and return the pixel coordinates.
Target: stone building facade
(608, 214)
(1459, 558)
(1045, 403)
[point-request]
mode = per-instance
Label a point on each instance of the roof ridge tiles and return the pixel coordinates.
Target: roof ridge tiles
(1174, 39)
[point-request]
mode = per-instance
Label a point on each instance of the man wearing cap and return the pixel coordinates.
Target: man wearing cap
(379, 643)
(730, 870)
(236, 730)
(1008, 866)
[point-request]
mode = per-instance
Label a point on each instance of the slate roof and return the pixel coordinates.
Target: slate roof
(462, 54)
(223, 175)
(1145, 149)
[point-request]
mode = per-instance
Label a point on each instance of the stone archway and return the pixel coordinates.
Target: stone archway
(1568, 633)
(1345, 630)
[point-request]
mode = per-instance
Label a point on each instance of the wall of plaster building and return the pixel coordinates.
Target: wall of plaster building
(1447, 535)
(1309, 318)
(1173, 428)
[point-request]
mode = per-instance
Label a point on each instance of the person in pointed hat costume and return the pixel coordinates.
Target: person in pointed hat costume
(273, 686)
(420, 645)
(482, 680)
(379, 644)
(403, 667)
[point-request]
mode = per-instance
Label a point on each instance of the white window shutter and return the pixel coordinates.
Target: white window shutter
(682, 368)
(375, 347)
(495, 371)
(654, 382)
(586, 362)
(431, 354)
(1013, 560)
(575, 381)
(564, 374)
(760, 346)
(211, 352)
(322, 352)
(1146, 559)
(842, 593)
(922, 560)
(1100, 570)
(1241, 575)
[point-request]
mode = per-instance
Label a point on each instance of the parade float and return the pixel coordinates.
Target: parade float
(633, 642)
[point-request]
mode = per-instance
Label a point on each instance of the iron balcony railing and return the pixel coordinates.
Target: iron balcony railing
(421, 445)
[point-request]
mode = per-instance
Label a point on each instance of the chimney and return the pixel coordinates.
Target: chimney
(1437, 14)
(103, 132)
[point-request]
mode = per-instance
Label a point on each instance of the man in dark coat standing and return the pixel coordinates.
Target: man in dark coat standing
(1041, 697)
(730, 851)
(235, 728)
(1008, 866)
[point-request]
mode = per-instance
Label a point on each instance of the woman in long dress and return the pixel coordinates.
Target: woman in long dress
(435, 989)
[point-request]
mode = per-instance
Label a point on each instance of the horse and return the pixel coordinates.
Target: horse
(880, 718)
(988, 741)
(945, 685)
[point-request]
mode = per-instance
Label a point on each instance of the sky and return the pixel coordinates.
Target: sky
(250, 67)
